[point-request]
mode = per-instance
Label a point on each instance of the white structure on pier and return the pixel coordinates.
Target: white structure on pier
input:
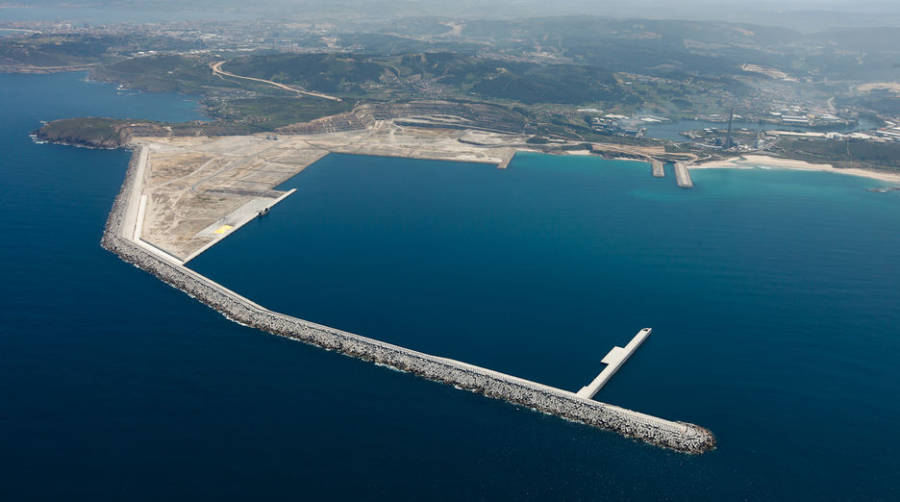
(613, 360)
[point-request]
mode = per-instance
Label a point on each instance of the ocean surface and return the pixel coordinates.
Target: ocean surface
(773, 297)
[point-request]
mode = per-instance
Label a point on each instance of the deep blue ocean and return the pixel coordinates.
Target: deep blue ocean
(773, 296)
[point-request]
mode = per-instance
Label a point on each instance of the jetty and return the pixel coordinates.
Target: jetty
(613, 361)
(236, 219)
(506, 160)
(683, 176)
(121, 238)
(656, 167)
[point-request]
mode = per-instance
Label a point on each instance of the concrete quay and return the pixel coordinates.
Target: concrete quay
(118, 237)
(235, 220)
(656, 166)
(506, 160)
(683, 176)
(613, 361)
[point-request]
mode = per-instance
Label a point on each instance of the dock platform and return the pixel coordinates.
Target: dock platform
(613, 361)
(223, 227)
(683, 176)
(657, 167)
(506, 160)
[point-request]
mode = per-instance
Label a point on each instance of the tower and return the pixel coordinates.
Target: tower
(728, 141)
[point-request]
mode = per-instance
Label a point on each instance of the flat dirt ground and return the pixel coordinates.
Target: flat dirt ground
(199, 188)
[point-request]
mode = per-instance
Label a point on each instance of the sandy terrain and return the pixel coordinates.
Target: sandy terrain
(192, 183)
(200, 190)
(769, 72)
(753, 161)
(872, 86)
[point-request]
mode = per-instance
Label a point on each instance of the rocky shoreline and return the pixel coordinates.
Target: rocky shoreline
(679, 436)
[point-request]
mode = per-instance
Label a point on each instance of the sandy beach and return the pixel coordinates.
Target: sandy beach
(756, 161)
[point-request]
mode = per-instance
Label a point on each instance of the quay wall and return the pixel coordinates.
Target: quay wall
(683, 176)
(679, 436)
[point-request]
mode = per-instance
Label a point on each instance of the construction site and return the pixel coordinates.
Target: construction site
(199, 190)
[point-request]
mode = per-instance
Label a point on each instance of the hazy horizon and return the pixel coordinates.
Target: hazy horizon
(802, 15)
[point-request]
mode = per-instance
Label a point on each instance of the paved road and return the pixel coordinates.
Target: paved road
(217, 69)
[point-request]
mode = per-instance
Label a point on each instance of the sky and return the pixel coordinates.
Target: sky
(806, 15)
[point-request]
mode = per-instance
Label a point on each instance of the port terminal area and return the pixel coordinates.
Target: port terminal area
(125, 235)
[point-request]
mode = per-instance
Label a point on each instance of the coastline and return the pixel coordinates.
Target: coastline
(758, 161)
(37, 140)
(44, 70)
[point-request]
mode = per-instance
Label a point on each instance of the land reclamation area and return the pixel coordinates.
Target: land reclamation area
(196, 191)
(123, 236)
(199, 190)
(180, 199)
(202, 189)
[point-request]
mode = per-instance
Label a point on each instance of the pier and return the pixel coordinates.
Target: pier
(118, 237)
(506, 160)
(613, 361)
(236, 219)
(656, 166)
(683, 176)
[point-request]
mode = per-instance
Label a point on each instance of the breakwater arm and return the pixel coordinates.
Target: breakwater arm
(118, 238)
(657, 168)
(683, 176)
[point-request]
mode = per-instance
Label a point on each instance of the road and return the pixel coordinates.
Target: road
(217, 70)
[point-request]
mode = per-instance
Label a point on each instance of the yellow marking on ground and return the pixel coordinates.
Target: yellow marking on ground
(221, 230)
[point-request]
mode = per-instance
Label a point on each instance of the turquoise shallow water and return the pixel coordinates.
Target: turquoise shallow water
(772, 294)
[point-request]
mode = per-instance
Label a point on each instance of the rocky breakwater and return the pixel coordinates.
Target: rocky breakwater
(679, 436)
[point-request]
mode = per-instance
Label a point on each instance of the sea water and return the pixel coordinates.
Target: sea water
(772, 295)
